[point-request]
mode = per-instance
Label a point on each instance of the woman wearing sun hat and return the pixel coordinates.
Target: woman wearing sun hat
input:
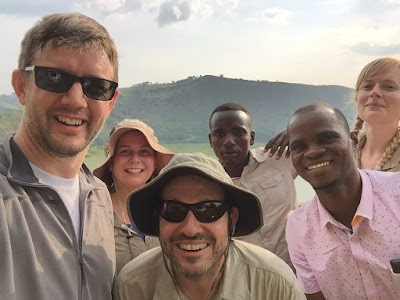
(133, 157)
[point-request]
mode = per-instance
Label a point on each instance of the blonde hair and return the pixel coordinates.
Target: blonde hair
(373, 68)
(390, 149)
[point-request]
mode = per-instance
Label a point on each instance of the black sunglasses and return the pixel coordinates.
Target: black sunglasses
(205, 212)
(57, 81)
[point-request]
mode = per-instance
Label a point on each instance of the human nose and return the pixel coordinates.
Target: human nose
(314, 151)
(135, 157)
(229, 140)
(190, 225)
(376, 91)
(75, 96)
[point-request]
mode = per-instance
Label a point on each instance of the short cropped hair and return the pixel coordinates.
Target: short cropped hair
(73, 30)
(318, 105)
(230, 106)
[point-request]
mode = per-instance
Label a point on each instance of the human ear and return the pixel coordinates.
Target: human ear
(18, 83)
(252, 137)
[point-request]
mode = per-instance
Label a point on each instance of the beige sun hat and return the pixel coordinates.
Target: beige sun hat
(163, 155)
(143, 203)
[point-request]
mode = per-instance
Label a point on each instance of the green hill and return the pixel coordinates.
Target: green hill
(179, 111)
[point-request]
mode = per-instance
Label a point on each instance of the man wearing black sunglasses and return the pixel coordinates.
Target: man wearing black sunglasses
(56, 219)
(195, 209)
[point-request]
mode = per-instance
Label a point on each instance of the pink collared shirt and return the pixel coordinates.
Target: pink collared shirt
(346, 264)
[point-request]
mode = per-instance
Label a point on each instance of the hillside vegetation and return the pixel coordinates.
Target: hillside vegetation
(179, 111)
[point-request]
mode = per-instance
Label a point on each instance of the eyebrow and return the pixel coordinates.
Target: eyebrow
(320, 134)
(142, 146)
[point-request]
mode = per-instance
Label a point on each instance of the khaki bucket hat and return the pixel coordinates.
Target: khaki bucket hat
(163, 155)
(143, 203)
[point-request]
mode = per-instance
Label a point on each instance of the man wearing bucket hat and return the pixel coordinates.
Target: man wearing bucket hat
(195, 209)
(133, 157)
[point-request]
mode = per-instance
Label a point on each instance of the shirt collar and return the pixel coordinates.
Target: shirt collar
(364, 210)
(393, 161)
(233, 281)
(325, 216)
(21, 171)
(258, 155)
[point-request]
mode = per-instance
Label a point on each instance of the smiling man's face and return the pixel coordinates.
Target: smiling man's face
(64, 124)
(196, 249)
(321, 148)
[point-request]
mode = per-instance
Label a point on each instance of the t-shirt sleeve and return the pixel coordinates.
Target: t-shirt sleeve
(304, 273)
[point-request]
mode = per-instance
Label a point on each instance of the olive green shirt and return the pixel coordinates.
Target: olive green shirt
(128, 244)
(250, 272)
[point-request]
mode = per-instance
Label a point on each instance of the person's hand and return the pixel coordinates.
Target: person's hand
(279, 142)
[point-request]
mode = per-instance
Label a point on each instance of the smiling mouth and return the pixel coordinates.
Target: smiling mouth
(69, 121)
(375, 105)
(320, 165)
(134, 170)
(192, 247)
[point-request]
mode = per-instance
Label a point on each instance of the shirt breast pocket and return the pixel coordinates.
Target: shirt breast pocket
(274, 188)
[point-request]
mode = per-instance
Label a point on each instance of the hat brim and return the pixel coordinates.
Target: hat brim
(142, 203)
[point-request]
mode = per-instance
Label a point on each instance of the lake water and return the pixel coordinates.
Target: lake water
(303, 188)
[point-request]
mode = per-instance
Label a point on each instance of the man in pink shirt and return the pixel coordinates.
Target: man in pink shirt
(345, 242)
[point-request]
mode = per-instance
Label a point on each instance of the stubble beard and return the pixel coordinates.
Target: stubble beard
(179, 266)
(335, 183)
(42, 135)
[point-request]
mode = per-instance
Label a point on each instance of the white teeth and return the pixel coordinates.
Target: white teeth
(324, 164)
(192, 247)
(134, 170)
(69, 121)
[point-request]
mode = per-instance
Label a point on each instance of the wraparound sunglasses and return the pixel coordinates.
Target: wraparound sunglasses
(205, 212)
(57, 81)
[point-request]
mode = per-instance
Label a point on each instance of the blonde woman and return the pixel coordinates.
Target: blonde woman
(377, 98)
(133, 157)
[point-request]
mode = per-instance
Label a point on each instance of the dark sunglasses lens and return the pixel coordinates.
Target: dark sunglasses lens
(173, 212)
(57, 81)
(53, 80)
(210, 211)
(205, 212)
(98, 89)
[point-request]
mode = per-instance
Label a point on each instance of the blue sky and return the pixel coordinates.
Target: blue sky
(311, 42)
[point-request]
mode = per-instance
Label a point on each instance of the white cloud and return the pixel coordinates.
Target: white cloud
(277, 16)
(228, 3)
(321, 42)
(173, 11)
